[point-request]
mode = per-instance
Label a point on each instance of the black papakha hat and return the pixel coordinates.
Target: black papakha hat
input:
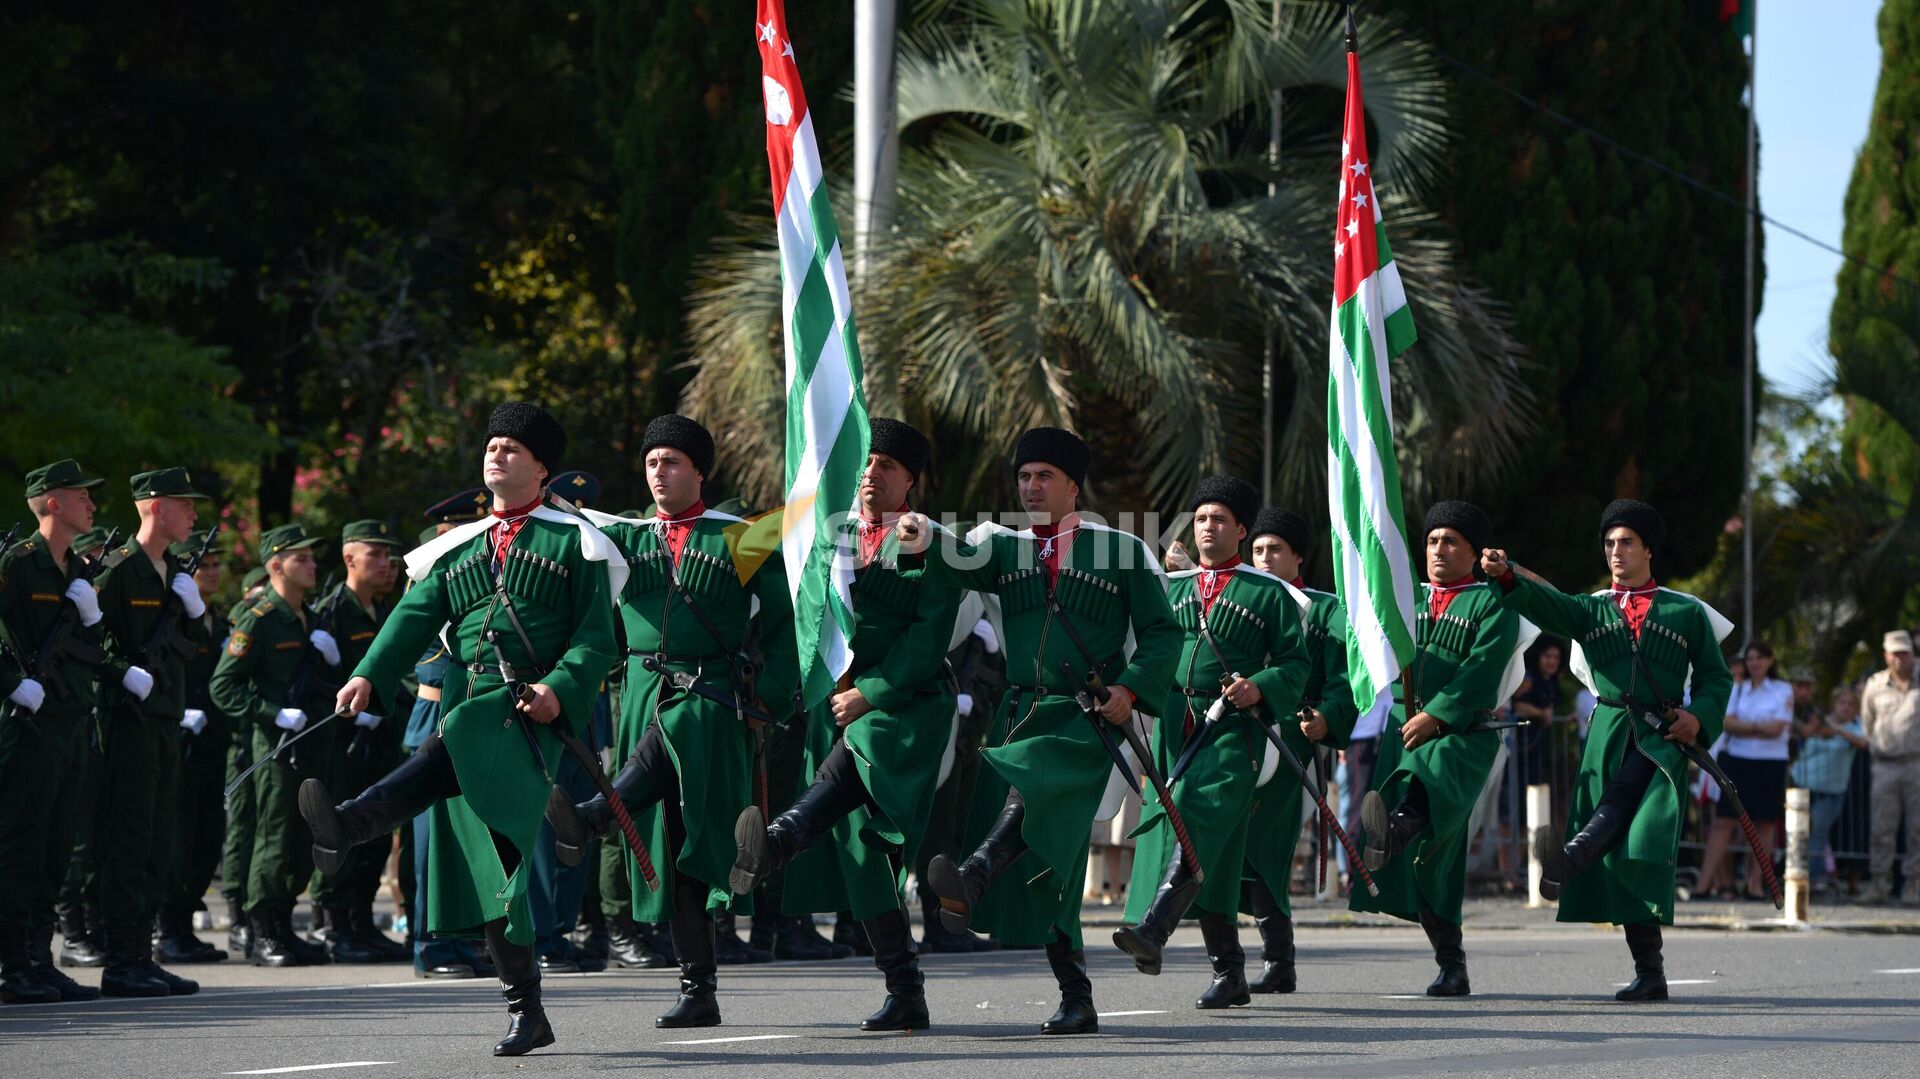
(901, 441)
(1286, 524)
(1057, 447)
(533, 427)
(680, 433)
(1463, 517)
(1645, 521)
(1232, 492)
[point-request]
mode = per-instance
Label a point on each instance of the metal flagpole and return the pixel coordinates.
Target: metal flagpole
(1747, 357)
(1266, 355)
(876, 148)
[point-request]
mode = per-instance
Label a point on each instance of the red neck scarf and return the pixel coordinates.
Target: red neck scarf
(675, 528)
(1440, 596)
(873, 533)
(510, 522)
(1212, 580)
(1634, 603)
(1299, 582)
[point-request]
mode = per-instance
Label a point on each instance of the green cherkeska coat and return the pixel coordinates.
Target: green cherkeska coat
(903, 624)
(1277, 811)
(1041, 743)
(1255, 622)
(725, 566)
(1459, 662)
(1680, 644)
(565, 604)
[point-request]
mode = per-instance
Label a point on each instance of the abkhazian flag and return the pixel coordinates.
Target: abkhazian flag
(1371, 325)
(827, 434)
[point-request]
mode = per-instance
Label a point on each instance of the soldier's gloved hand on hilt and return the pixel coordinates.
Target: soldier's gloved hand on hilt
(194, 721)
(29, 694)
(189, 593)
(85, 600)
(367, 720)
(137, 682)
(322, 642)
(290, 719)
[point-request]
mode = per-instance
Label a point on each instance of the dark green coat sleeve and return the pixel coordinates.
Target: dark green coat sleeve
(1546, 606)
(1285, 675)
(1712, 681)
(1476, 683)
(578, 673)
(415, 620)
(966, 566)
(233, 689)
(1336, 693)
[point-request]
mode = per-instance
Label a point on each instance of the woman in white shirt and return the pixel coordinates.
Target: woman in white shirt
(1754, 755)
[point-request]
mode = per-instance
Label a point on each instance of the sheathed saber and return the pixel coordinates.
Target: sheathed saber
(686, 682)
(523, 693)
(1320, 801)
(287, 741)
(1209, 730)
(1097, 691)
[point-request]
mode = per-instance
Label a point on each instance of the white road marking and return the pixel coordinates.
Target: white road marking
(1114, 1015)
(1405, 996)
(747, 1038)
(315, 1067)
(1675, 981)
(1900, 970)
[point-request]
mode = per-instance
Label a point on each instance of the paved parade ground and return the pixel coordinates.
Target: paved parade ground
(1805, 1004)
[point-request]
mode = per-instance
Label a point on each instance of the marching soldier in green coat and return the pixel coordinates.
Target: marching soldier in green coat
(875, 746)
(1437, 750)
(686, 729)
(1244, 663)
(153, 611)
(356, 755)
(1638, 647)
(524, 601)
(1282, 542)
(1071, 592)
(266, 681)
(43, 727)
(206, 733)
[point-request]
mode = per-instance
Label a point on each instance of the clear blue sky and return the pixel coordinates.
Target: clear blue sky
(1817, 68)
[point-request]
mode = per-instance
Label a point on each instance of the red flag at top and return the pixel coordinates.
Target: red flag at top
(1356, 247)
(780, 86)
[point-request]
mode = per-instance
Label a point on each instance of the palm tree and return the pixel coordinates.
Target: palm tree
(1085, 236)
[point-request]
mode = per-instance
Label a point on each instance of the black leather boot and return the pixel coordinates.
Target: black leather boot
(893, 954)
(1076, 1014)
(176, 985)
(180, 944)
(577, 826)
(934, 934)
(1447, 951)
(239, 929)
(1229, 986)
(78, 946)
(367, 931)
(693, 932)
(1276, 944)
(527, 1026)
(1560, 864)
(627, 945)
(125, 974)
(40, 954)
(762, 847)
(274, 941)
(1649, 966)
(798, 938)
(849, 933)
(315, 952)
(1388, 834)
(397, 798)
(342, 945)
(19, 978)
(960, 887)
(730, 951)
(1144, 941)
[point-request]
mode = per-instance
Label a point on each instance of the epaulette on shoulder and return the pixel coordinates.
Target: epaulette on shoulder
(260, 610)
(117, 555)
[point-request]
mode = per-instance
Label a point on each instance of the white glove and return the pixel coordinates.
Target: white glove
(86, 600)
(29, 694)
(194, 721)
(290, 719)
(367, 720)
(137, 682)
(323, 643)
(983, 629)
(189, 594)
(964, 702)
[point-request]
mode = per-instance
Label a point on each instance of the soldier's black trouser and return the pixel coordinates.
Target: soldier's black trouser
(39, 810)
(133, 835)
(200, 823)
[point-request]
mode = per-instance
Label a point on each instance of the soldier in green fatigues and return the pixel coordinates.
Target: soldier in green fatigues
(689, 757)
(356, 755)
(1436, 752)
(81, 928)
(1638, 646)
(236, 847)
(43, 736)
(875, 746)
(1244, 659)
(1324, 719)
(153, 610)
(1071, 592)
(200, 823)
(265, 681)
(524, 601)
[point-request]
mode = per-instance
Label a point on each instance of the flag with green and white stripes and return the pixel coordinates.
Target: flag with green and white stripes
(827, 433)
(1372, 568)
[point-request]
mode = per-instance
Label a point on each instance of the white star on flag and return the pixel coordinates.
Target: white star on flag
(1359, 201)
(1339, 249)
(766, 32)
(1353, 228)
(1359, 168)
(786, 49)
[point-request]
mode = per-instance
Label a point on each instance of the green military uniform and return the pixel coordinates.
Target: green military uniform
(236, 847)
(1459, 660)
(711, 749)
(1679, 645)
(147, 630)
(1110, 586)
(902, 626)
(269, 663)
(200, 823)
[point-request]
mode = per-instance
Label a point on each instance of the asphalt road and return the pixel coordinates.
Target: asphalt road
(1800, 1004)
